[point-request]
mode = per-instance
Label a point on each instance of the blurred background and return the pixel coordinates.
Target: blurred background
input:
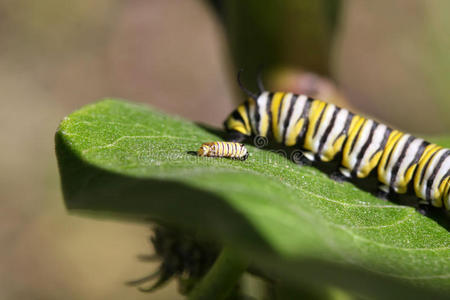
(387, 59)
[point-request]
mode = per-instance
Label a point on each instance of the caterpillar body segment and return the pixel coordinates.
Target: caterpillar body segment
(324, 131)
(223, 149)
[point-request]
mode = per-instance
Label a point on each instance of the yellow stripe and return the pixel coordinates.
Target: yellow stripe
(219, 149)
(264, 120)
(276, 130)
(436, 201)
(317, 107)
(329, 153)
(264, 123)
(226, 151)
(291, 139)
(252, 108)
(243, 113)
(237, 125)
(441, 190)
(429, 151)
(403, 184)
(443, 185)
(356, 123)
(214, 148)
(446, 193)
(392, 140)
(274, 109)
(242, 150)
(367, 168)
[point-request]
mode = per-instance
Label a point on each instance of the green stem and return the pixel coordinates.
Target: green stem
(222, 278)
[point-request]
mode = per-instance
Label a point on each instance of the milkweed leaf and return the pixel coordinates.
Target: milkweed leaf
(121, 160)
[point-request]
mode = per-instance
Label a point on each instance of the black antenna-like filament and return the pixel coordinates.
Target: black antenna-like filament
(260, 80)
(243, 88)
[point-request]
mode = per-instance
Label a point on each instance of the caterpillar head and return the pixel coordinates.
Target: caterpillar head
(238, 123)
(204, 149)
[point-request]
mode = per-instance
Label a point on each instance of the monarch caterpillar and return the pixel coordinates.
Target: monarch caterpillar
(223, 149)
(324, 131)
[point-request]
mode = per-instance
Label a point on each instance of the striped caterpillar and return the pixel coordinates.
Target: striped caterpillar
(223, 149)
(324, 131)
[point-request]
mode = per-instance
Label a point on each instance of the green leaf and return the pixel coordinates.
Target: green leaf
(123, 160)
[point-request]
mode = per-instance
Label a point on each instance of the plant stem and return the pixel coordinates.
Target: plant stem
(223, 276)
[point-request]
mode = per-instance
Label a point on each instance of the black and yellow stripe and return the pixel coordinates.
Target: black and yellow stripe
(223, 149)
(322, 131)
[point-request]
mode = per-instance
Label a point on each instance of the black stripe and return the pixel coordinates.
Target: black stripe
(393, 148)
(316, 127)
(386, 135)
(247, 111)
(257, 117)
(400, 159)
(236, 115)
(305, 116)
(325, 135)
(357, 135)
(419, 153)
(218, 149)
(364, 148)
(426, 166)
(433, 175)
(279, 107)
(422, 175)
(269, 114)
(227, 152)
(289, 116)
(348, 121)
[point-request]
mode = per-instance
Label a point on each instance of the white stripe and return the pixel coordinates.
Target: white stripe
(395, 154)
(407, 161)
(251, 112)
(262, 105)
(337, 130)
(243, 151)
(375, 145)
(296, 113)
(440, 176)
(448, 196)
(324, 122)
(309, 155)
(283, 116)
(219, 149)
(430, 169)
(361, 139)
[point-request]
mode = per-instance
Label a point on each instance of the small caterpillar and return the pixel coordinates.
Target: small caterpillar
(324, 131)
(223, 149)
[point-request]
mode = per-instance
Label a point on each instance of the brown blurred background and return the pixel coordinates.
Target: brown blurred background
(389, 58)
